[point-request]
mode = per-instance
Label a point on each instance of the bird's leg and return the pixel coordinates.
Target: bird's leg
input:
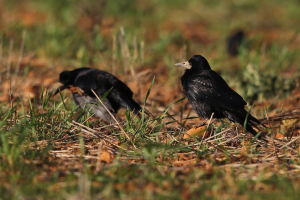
(79, 114)
(205, 123)
(76, 90)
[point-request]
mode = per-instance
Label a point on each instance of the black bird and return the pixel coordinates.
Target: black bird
(209, 94)
(113, 93)
(234, 42)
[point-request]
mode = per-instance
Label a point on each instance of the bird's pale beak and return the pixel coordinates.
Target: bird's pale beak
(61, 88)
(185, 64)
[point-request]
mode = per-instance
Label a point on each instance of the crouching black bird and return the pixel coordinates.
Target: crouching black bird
(209, 94)
(112, 92)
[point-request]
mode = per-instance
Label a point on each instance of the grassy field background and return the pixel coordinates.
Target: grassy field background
(49, 149)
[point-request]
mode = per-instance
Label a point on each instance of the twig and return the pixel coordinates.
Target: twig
(102, 137)
(206, 128)
(119, 125)
(287, 144)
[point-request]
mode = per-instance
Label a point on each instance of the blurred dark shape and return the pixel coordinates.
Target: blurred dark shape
(234, 42)
(91, 13)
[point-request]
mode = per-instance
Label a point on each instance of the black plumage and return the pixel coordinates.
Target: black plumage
(209, 94)
(113, 93)
(234, 42)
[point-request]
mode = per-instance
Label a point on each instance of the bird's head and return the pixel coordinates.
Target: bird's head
(196, 62)
(66, 78)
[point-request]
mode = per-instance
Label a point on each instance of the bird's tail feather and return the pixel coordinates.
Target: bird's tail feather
(250, 129)
(252, 120)
(133, 106)
(252, 124)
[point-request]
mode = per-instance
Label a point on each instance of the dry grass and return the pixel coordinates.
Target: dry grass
(50, 150)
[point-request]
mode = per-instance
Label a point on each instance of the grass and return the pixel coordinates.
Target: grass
(49, 149)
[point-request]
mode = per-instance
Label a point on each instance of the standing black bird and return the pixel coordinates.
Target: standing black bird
(234, 42)
(209, 94)
(113, 93)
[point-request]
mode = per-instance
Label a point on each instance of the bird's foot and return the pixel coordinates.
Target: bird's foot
(206, 123)
(202, 124)
(76, 90)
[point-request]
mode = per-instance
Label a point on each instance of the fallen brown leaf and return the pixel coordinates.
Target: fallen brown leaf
(279, 136)
(196, 132)
(107, 157)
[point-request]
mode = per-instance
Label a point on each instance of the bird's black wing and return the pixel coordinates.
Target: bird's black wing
(107, 81)
(208, 86)
(86, 80)
(105, 84)
(101, 82)
(119, 92)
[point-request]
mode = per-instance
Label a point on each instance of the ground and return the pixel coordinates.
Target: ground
(49, 149)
